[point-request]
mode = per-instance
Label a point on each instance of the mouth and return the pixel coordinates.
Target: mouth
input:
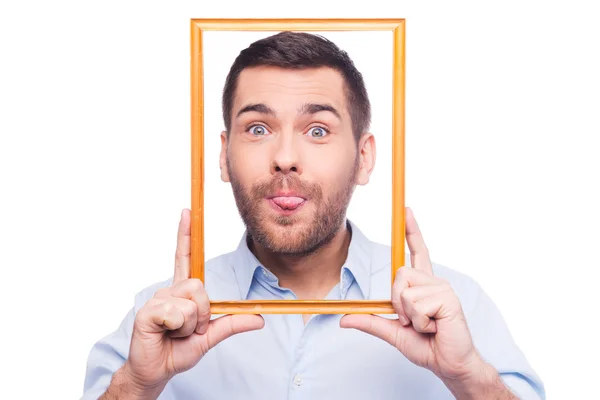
(286, 203)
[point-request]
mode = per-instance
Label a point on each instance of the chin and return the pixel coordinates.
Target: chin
(286, 222)
(288, 226)
(286, 235)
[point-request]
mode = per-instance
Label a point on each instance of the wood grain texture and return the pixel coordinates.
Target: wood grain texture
(302, 307)
(298, 24)
(197, 123)
(397, 27)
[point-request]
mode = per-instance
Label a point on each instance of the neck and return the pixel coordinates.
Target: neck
(310, 276)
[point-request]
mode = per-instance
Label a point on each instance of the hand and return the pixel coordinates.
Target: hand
(173, 330)
(431, 330)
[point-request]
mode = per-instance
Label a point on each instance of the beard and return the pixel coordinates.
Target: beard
(287, 235)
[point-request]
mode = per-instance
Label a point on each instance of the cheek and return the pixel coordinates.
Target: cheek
(331, 166)
(248, 165)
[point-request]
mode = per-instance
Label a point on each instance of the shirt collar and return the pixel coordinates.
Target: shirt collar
(358, 263)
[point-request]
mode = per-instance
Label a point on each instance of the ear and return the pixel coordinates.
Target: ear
(367, 155)
(223, 158)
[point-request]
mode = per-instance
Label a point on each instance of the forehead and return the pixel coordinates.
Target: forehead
(279, 86)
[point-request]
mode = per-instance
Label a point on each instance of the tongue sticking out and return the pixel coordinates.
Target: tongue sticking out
(288, 203)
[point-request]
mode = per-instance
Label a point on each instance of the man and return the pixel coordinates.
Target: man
(296, 143)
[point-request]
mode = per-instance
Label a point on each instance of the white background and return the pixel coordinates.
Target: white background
(502, 167)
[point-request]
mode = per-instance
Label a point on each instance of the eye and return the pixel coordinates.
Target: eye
(317, 132)
(258, 130)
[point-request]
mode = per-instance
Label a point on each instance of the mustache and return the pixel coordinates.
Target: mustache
(286, 182)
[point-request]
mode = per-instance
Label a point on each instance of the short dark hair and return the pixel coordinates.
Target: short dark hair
(300, 50)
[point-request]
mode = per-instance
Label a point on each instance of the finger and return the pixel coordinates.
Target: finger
(159, 315)
(193, 289)
(400, 284)
(223, 327)
(418, 293)
(426, 311)
(182, 253)
(188, 309)
(407, 278)
(383, 328)
(419, 254)
(424, 324)
(413, 306)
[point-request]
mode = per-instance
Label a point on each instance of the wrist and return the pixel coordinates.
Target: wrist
(125, 386)
(482, 382)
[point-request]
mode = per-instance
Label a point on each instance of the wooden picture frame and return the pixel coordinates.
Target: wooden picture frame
(397, 27)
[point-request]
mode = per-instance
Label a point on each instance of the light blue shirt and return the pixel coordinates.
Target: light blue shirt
(290, 360)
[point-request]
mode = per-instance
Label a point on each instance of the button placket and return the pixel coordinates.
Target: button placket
(297, 378)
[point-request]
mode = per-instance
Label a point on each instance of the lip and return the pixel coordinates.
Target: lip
(287, 194)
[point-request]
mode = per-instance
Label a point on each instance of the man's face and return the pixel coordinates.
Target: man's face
(291, 156)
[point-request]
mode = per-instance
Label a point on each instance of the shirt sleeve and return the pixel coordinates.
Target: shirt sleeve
(110, 353)
(106, 357)
(496, 345)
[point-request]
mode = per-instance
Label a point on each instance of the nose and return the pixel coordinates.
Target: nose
(286, 158)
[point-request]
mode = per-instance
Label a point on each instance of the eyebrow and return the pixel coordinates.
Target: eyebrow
(313, 108)
(259, 108)
(305, 109)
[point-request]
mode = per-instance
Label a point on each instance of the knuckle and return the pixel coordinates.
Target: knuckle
(188, 308)
(403, 272)
(195, 284)
(397, 302)
(167, 306)
(405, 296)
(397, 287)
(149, 308)
(401, 280)
(151, 303)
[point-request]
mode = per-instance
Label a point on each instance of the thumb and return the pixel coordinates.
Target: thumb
(383, 328)
(221, 328)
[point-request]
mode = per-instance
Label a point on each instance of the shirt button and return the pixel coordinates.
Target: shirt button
(298, 380)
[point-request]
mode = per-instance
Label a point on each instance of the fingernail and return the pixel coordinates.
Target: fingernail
(403, 320)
